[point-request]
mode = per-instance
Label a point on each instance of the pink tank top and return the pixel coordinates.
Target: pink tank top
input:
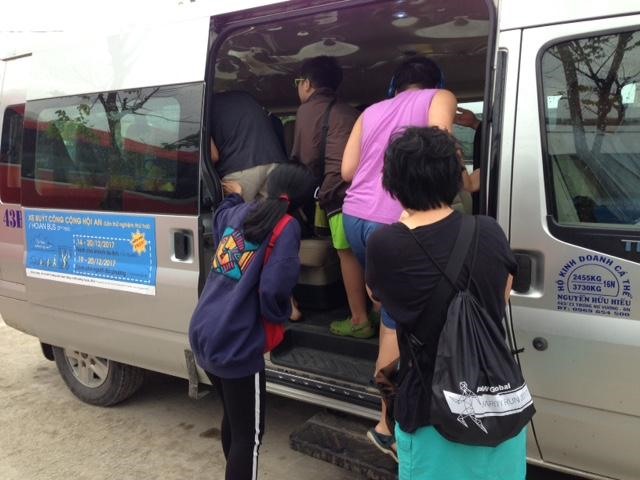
(365, 197)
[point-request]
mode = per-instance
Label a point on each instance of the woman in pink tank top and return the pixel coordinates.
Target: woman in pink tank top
(418, 100)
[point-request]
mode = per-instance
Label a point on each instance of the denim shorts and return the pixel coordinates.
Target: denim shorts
(358, 231)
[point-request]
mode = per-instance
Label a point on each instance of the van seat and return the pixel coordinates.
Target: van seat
(320, 283)
(317, 252)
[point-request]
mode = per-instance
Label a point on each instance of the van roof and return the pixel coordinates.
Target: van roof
(514, 14)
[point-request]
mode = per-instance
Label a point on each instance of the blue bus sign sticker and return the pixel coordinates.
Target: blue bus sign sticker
(117, 252)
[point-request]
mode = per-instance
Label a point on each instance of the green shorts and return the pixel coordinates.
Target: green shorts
(338, 235)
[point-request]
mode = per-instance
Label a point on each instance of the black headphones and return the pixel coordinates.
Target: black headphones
(391, 91)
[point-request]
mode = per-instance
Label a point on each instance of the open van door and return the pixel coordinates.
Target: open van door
(575, 228)
(261, 51)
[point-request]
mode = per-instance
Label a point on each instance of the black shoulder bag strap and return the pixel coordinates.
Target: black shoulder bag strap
(442, 293)
(323, 141)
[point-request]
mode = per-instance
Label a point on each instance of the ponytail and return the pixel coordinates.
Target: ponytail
(289, 186)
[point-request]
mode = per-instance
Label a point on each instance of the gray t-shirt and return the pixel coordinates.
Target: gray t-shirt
(243, 133)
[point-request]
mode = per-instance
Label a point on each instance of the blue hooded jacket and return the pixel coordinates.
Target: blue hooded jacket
(226, 332)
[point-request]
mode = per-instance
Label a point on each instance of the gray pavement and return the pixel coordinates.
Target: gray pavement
(47, 434)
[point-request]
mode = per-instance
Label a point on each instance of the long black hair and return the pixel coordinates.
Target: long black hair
(289, 186)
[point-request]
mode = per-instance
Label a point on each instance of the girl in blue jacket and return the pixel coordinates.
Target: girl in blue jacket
(244, 293)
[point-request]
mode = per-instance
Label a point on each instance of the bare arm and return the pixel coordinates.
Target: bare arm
(351, 155)
(215, 154)
(442, 110)
(507, 291)
(442, 113)
(376, 304)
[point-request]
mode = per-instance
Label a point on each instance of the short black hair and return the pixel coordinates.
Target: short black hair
(322, 72)
(422, 169)
(419, 71)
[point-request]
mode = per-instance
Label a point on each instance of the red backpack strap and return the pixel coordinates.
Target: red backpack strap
(275, 235)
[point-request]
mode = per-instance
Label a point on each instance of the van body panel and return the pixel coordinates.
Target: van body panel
(14, 312)
(12, 277)
(508, 42)
(156, 349)
(582, 380)
(569, 421)
(169, 309)
(518, 14)
(146, 56)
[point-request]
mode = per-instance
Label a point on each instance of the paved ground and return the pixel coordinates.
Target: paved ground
(47, 434)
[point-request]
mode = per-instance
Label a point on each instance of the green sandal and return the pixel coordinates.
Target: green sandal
(345, 328)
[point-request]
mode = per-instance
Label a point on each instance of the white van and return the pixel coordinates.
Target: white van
(106, 191)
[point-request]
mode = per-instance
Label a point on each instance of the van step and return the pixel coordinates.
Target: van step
(327, 364)
(341, 440)
(310, 335)
(309, 346)
(324, 354)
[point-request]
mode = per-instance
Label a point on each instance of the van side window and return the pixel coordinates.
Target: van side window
(591, 101)
(12, 124)
(134, 150)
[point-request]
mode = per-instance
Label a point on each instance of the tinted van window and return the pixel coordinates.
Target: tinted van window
(591, 96)
(12, 124)
(134, 150)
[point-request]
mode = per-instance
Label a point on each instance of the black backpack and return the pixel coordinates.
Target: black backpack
(478, 393)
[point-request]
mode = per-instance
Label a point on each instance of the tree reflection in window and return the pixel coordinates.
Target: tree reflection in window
(124, 144)
(593, 126)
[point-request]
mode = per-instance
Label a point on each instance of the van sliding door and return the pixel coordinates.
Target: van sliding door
(110, 189)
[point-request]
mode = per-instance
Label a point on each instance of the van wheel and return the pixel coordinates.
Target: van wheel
(97, 380)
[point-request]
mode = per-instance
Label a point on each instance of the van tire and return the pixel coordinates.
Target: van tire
(107, 385)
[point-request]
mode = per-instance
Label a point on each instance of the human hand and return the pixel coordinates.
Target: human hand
(471, 181)
(466, 118)
(230, 187)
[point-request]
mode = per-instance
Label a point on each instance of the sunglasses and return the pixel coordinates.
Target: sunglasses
(298, 81)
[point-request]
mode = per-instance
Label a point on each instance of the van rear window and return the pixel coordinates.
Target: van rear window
(10, 145)
(129, 150)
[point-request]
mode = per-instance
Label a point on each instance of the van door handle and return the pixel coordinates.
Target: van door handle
(182, 245)
(522, 281)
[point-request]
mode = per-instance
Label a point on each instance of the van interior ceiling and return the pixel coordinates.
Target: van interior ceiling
(370, 39)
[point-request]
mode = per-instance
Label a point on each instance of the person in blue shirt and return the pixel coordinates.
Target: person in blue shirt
(242, 298)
